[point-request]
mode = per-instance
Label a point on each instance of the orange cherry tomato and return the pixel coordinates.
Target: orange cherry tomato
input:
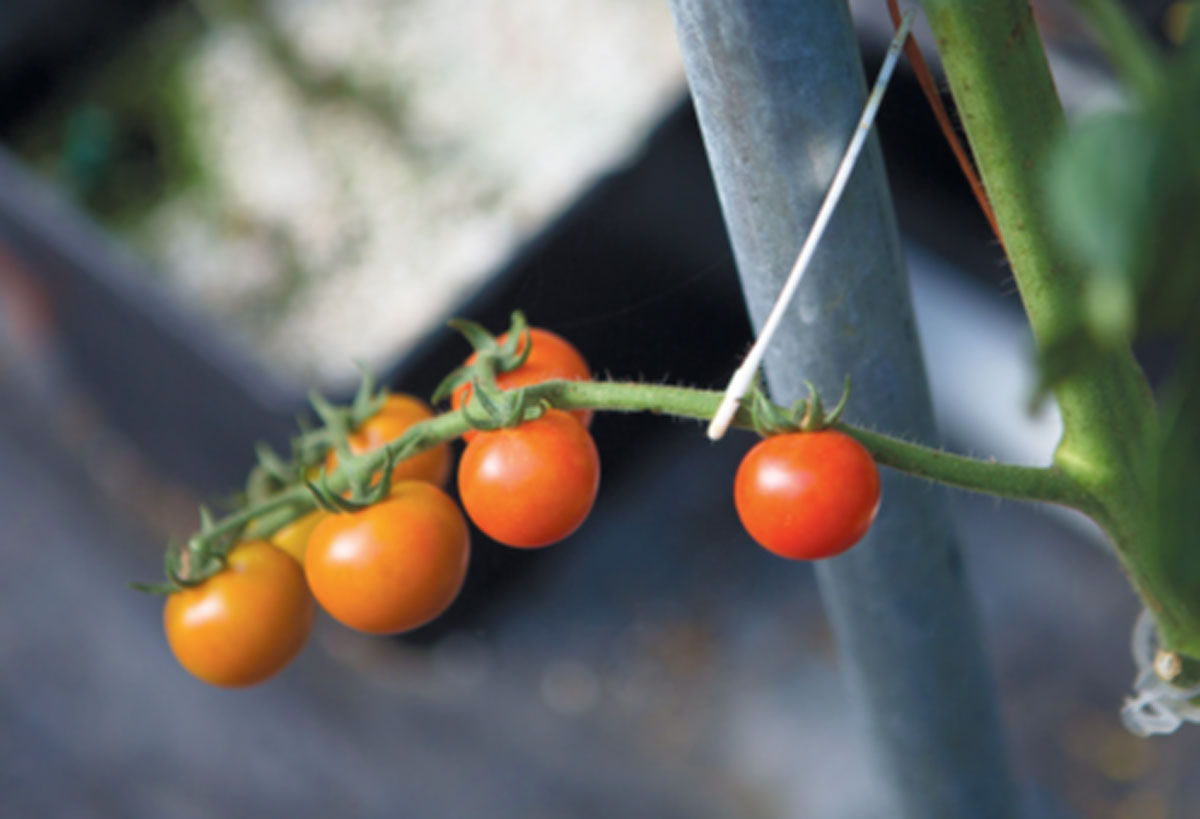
(393, 566)
(293, 537)
(531, 485)
(245, 623)
(399, 412)
(551, 357)
(807, 495)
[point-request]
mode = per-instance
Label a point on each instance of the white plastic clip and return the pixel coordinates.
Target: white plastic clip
(1156, 707)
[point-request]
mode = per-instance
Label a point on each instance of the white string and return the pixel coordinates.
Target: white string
(1156, 707)
(744, 375)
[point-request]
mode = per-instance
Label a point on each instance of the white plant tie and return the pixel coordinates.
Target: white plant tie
(743, 377)
(1156, 707)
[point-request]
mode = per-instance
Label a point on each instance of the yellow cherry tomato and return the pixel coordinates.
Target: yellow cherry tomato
(293, 537)
(245, 623)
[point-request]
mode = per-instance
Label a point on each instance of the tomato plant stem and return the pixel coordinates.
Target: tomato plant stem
(1007, 480)
(994, 61)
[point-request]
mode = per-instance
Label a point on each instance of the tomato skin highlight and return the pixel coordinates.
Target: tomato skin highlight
(393, 566)
(244, 624)
(807, 495)
(551, 357)
(532, 485)
(398, 413)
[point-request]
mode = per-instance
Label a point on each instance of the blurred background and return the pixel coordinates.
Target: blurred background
(208, 207)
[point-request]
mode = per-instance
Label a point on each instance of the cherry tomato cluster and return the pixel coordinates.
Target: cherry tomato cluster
(396, 564)
(395, 560)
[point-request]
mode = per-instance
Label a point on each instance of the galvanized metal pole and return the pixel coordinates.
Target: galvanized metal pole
(778, 85)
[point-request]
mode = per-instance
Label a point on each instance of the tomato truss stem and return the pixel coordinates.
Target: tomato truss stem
(1047, 484)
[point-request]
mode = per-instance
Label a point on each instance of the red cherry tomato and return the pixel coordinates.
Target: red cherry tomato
(531, 485)
(551, 357)
(393, 566)
(245, 623)
(399, 412)
(807, 495)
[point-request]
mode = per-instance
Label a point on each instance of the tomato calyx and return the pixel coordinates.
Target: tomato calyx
(493, 356)
(805, 415)
(487, 406)
(362, 496)
(310, 448)
(191, 563)
(490, 408)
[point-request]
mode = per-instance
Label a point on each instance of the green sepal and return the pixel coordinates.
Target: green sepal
(814, 415)
(192, 563)
(481, 411)
(534, 411)
(331, 416)
(380, 491)
(334, 503)
(447, 386)
(368, 400)
(275, 466)
(491, 408)
(310, 446)
(518, 331)
(322, 495)
(476, 335)
(491, 355)
(260, 484)
(331, 502)
(835, 414)
(158, 589)
(766, 418)
(206, 519)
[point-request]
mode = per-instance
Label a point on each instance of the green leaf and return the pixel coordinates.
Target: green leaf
(1124, 194)
(1174, 550)
(1126, 44)
(1101, 189)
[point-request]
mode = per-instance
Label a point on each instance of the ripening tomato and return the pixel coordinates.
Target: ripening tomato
(531, 485)
(399, 412)
(393, 566)
(245, 623)
(293, 537)
(807, 495)
(551, 357)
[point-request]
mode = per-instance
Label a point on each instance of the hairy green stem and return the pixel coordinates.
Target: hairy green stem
(1020, 482)
(997, 70)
